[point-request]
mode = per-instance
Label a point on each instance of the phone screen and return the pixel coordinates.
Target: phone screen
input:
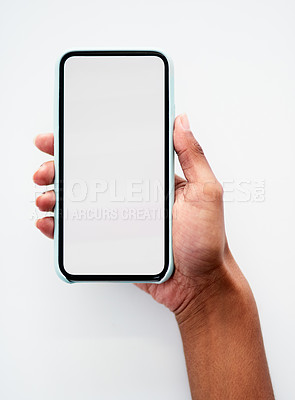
(112, 160)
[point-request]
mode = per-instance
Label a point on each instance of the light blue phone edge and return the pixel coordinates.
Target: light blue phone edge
(170, 269)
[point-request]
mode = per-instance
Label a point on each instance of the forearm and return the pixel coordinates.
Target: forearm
(223, 343)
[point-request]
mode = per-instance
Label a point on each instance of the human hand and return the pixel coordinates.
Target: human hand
(212, 301)
(199, 241)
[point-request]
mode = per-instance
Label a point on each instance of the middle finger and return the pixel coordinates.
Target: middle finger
(45, 174)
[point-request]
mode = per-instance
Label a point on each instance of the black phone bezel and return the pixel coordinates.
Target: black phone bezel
(122, 278)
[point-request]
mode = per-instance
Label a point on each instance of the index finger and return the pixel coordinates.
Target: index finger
(45, 142)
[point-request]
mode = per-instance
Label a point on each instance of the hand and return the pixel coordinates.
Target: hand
(212, 301)
(199, 241)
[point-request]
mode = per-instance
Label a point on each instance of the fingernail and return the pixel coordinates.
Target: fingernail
(36, 224)
(184, 121)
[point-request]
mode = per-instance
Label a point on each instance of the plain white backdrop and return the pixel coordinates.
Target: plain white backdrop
(234, 76)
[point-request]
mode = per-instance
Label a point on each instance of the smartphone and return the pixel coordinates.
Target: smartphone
(114, 166)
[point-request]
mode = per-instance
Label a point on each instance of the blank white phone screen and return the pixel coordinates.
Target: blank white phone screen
(114, 213)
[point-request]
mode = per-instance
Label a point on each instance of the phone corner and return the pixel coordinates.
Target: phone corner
(64, 55)
(168, 273)
(57, 268)
(164, 55)
(59, 272)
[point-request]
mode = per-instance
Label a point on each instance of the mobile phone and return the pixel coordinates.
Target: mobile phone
(114, 166)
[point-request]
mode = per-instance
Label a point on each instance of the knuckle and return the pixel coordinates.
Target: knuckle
(219, 190)
(213, 191)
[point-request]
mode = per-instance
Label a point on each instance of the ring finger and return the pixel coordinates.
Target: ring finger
(46, 201)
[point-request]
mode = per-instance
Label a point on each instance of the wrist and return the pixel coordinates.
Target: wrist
(226, 294)
(222, 340)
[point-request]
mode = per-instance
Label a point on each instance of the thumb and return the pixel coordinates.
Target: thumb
(190, 154)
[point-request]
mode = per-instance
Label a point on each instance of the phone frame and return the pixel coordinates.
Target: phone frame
(59, 168)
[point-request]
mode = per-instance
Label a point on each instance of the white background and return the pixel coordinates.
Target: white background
(234, 76)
